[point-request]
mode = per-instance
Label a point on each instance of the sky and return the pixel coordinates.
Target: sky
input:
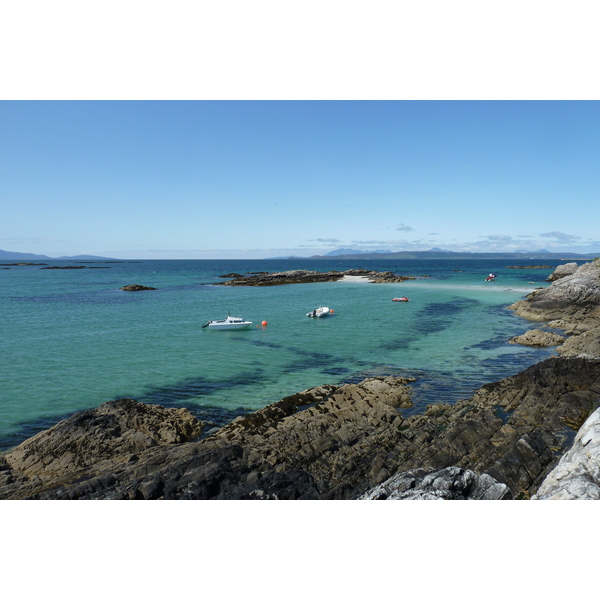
(256, 179)
(236, 130)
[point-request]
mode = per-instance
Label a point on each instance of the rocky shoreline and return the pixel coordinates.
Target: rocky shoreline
(533, 435)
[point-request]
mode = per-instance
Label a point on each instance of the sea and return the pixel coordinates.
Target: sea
(71, 340)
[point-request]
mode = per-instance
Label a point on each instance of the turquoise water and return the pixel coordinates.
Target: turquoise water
(71, 340)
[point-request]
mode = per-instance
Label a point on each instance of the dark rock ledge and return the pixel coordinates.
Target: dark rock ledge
(329, 442)
(302, 276)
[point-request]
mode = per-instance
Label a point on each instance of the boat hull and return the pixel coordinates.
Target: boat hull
(228, 323)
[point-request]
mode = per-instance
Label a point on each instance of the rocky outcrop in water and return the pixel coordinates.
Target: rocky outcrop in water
(134, 287)
(302, 276)
(538, 338)
(575, 296)
(530, 267)
(571, 303)
(22, 264)
(329, 442)
(74, 267)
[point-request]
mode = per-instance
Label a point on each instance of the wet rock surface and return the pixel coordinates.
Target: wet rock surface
(302, 276)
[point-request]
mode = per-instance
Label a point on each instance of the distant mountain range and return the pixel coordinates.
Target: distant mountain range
(25, 256)
(449, 254)
(351, 252)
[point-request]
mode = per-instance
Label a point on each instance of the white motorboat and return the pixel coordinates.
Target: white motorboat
(228, 323)
(322, 311)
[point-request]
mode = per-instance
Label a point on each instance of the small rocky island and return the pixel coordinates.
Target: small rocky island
(74, 267)
(136, 287)
(535, 435)
(529, 267)
(302, 276)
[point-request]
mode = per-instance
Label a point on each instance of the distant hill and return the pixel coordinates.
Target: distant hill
(350, 251)
(448, 254)
(26, 256)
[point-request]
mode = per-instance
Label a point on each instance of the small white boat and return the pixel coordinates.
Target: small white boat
(228, 323)
(322, 311)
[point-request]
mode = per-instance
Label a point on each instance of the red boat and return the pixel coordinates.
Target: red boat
(402, 299)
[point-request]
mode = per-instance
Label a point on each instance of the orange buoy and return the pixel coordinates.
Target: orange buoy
(332, 311)
(264, 323)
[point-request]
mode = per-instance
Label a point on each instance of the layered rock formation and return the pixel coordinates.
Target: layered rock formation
(329, 442)
(92, 443)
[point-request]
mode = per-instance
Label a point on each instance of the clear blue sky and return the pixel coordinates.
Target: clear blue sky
(229, 179)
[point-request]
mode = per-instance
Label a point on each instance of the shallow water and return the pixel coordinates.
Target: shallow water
(71, 340)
